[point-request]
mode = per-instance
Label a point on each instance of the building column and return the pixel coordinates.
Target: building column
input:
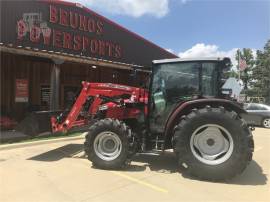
(55, 85)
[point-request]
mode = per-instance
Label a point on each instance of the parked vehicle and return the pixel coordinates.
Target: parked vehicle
(258, 114)
(183, 109)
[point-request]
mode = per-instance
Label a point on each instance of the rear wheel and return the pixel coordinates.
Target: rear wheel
(213, 144)
(108, 144)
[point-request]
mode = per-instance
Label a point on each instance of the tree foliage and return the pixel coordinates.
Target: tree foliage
(232, 73)
(256, 77)
(261, 73)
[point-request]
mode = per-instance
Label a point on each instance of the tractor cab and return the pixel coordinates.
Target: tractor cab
(179, 80)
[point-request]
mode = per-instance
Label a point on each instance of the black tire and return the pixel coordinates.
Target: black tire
(263, 122)
(118, 128)
(240, 155)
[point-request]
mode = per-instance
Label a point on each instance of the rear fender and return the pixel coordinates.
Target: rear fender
(186, 107)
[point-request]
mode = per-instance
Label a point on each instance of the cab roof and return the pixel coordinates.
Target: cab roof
(189, 59)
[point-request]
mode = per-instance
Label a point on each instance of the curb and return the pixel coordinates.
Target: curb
(39, 142)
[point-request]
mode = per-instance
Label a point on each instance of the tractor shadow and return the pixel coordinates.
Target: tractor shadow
(165, 163)
(75, 151)
(66, 151)
(252, 176)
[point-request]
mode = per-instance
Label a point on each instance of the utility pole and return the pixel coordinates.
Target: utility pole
(239, 75)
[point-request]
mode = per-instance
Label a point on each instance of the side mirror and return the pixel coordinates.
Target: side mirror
(227, 64)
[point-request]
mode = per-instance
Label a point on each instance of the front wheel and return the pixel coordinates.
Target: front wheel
(108, 144)
(213, 144)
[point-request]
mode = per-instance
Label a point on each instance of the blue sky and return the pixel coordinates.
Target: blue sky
(192, 27)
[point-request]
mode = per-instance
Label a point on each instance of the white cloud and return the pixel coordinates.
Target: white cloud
(170, 50)
(203, 50)
(134, 8)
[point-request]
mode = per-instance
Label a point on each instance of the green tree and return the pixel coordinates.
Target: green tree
(246, 75)
(261, 73)
(232, 73)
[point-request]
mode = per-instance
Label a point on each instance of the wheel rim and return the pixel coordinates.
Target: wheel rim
(266, 123)
(211, 144)
(107, 146)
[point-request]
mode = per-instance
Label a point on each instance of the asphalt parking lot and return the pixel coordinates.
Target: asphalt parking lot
(59, 172)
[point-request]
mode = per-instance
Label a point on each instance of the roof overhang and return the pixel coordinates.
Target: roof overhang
(28, 51)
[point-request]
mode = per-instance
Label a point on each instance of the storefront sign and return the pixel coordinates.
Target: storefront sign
(34, 28)
(21, 92)
(60, 27)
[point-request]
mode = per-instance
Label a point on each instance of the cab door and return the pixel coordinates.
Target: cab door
(171, 84)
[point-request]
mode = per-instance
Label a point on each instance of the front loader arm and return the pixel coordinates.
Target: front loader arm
(74, 112)
(100, 92)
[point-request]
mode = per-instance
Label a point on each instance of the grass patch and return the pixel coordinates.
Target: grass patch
(49, 137)
(43, 137)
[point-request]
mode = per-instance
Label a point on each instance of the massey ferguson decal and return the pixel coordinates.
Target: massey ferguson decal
(79, 32)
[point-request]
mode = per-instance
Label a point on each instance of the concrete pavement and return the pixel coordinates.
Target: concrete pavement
(59, 172)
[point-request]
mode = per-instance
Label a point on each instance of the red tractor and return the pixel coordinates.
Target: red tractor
(183, 109)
